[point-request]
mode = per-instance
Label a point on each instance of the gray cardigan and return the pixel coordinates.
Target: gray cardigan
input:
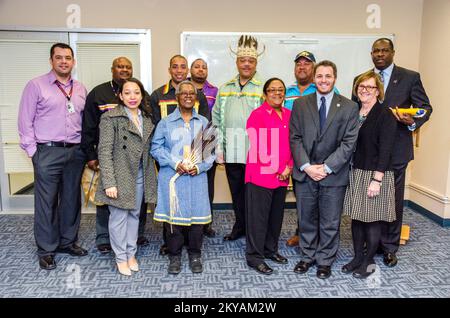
(120, 150)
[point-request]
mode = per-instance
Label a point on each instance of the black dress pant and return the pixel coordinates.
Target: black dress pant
(175, 238)
(264, 218)
(236, 180)
(390, 234)
(57, 196)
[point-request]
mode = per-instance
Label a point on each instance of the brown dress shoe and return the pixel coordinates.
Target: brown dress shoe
(293, 241)
(47, 262)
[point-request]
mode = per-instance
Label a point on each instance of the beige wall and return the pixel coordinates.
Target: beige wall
(430, 172)
(416, 46)
(167, 19)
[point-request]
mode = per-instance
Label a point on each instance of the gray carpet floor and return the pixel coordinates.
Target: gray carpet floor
(423, 269)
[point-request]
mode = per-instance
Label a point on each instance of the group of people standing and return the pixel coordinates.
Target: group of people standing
(340, 154)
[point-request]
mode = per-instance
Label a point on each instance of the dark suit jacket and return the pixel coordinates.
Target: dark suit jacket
(334, 146)
(404, 90)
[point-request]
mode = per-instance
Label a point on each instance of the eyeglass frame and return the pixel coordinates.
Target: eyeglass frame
(276, 90)
(369, 89)
(186, 94)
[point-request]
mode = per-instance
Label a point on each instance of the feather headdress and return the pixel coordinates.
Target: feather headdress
(248, 46)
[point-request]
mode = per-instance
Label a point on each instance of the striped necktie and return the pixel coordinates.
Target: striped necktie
(322, 113)
(382, 77)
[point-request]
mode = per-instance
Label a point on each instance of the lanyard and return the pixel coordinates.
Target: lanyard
(68, 96)
(114, 90)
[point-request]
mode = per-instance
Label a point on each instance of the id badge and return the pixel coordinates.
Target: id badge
(70, 107)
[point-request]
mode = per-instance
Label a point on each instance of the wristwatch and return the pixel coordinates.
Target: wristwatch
(376, 180)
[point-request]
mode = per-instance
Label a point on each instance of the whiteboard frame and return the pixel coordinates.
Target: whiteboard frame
(296, 38)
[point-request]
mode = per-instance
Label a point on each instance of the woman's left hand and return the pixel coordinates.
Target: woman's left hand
(285, 175)
(193, 171)
(111, 192)
(374, 189)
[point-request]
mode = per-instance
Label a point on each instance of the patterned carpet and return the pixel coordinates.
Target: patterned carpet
(423, 269)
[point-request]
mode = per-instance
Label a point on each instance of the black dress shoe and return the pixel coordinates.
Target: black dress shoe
(47, 262)
(163, 250)
(142, 241)
(195, 263)
(390, 259)
(174, 265)
(233, 236)
(73, 250)
(262, 268)
(277, 258)
(302, 267)
(209, 231)
(364, 271)
(323, 272)
(104, 248)
(350, 267)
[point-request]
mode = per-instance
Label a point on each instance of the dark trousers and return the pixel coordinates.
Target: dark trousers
(366, 234)
(236, 180)
(320, 219)
(57, 196)
(175, 239)
(390, 235)
(297, 206)
(264, 218)
(102, 219)
(211, 176)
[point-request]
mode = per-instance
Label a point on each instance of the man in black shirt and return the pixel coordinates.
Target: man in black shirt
(163, 102)
(101, 99)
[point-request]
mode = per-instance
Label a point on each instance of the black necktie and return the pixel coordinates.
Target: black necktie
(322, 113)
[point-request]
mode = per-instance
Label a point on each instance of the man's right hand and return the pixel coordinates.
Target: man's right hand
(315, 172)
(93, 164)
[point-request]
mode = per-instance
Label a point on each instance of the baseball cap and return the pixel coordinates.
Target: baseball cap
(307, 55)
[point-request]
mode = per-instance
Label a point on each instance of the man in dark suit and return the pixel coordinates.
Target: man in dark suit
(323, 134)
(403, 89)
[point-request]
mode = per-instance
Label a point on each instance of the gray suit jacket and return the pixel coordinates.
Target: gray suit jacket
(334, 146)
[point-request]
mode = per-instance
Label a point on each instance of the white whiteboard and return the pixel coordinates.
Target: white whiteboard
(351, 53)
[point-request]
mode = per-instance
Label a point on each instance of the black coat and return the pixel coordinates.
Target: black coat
(404, 90)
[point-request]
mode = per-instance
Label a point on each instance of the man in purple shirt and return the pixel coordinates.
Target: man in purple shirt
(49, 125)
(199, 74)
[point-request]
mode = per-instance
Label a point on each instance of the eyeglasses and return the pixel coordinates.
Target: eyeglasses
(370, 89)
(186, 94)
(275, 90)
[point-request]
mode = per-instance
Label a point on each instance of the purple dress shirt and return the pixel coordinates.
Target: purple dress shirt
(210, 92)
(44, 115)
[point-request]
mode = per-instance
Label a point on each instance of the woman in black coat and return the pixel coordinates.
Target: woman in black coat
(370, 199)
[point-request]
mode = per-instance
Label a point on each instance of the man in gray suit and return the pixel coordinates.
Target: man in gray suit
(323, 133)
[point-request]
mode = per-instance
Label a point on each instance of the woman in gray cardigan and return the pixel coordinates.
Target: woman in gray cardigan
(127, 172)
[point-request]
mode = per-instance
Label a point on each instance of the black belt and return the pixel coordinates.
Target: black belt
(57, 144)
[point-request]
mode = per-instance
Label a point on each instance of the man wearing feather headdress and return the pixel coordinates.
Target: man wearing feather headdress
(235, 101)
